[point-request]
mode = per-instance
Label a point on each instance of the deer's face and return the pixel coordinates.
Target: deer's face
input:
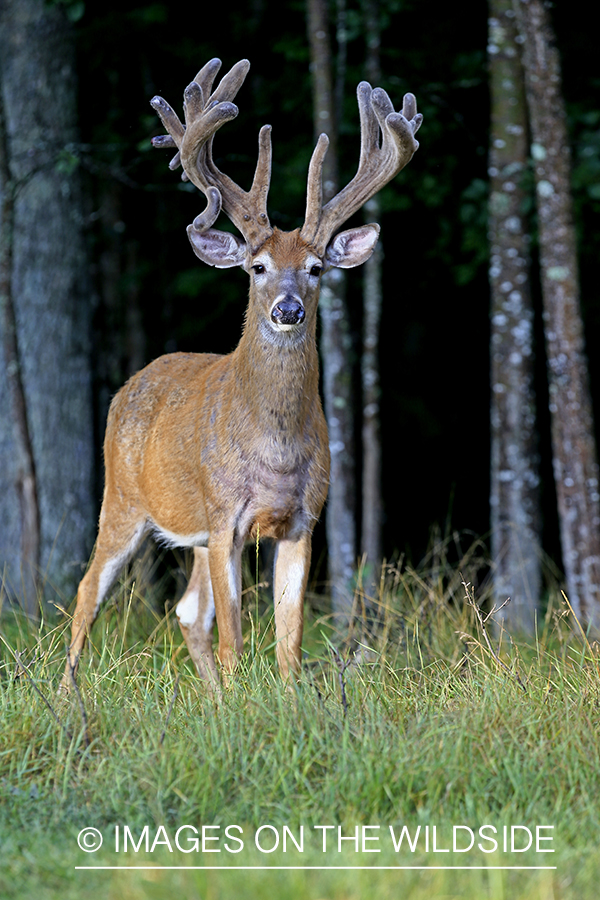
(285, 277)
(285, 271)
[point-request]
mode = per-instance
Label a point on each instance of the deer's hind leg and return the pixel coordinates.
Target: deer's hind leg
(196, 616)
(119, 536)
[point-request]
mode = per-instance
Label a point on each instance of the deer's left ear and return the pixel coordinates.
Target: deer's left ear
(351, 248)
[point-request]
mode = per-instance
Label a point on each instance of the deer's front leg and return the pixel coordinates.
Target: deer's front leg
(225, 561)
(292, 562)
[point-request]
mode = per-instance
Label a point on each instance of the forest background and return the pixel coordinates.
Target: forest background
(142, 293)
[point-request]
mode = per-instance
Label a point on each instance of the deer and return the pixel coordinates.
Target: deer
(208, 451)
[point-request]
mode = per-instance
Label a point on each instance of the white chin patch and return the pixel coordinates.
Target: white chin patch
(279, 327)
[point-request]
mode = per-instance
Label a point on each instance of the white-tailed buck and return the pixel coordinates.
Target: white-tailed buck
(207, 451)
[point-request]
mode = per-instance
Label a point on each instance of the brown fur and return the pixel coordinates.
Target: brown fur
(209, 451)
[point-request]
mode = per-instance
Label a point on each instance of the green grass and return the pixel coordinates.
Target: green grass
(427, 725)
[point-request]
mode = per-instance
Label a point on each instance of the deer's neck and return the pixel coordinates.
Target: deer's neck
(277, 378)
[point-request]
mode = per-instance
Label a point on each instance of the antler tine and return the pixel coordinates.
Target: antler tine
(205, 113)
(262, 174)
(409, 109)
(314, 188)
(387, 145)
(231, 83)
(369, 126)
(207, 75)
(171, 121)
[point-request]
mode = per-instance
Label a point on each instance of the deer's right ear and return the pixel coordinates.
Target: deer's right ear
(217, 248)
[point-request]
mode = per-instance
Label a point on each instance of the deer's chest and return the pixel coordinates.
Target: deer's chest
(272, 502)
(267, 499)
(277, 503)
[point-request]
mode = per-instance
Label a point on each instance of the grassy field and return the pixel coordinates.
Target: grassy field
(474, 742)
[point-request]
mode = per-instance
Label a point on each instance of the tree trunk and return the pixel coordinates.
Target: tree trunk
(372, 503)
(514, 483)
(49, 425)
(573, 443)
(22, 523)
(335, 343)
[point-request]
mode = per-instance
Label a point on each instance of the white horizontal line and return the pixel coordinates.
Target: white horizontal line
(327, 868)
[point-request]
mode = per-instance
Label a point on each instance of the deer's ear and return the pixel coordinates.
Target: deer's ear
(352, 248)
(217, 248)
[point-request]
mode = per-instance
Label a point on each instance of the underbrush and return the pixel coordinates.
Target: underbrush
(425, 714)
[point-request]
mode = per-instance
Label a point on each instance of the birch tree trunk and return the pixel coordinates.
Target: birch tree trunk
(372, 503)
(514, 482)
(335, 342)
(573, 443)
(46, 433)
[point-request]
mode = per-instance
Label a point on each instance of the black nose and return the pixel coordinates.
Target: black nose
(288, 312)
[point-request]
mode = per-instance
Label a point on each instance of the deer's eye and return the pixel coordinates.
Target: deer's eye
(258, 269)
(315, 271)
